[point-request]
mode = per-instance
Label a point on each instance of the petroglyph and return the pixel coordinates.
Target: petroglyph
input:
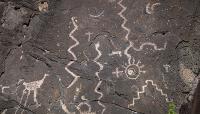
(150, 8)
(78, 90)
(97, 45)
(116, 53)
(98, 15)
(87, 58)
(127, 54)
(117, 72)
(166, 67)
(4, 112)
(76, 77)
(89, 35)
(64, 108)
(132, 69)
(62, 104)
(31, 87)
(186, 74)
(10, 90)
(155, 47)
(85, 102)
(124, 19)
(164, 81)
(21, 57)
(3, 88)
(143, 91)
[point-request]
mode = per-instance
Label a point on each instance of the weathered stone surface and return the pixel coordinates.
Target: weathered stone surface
(98, 57)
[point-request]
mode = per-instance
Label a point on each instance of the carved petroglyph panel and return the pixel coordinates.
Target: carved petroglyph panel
(110, 50)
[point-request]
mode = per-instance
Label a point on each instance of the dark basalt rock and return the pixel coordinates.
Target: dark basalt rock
(99, 56)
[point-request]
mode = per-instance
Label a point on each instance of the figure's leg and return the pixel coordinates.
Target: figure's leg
(35, 98)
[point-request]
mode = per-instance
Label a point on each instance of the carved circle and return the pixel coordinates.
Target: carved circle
(132, 71)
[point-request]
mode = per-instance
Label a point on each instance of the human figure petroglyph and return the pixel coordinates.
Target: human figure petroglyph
(89, 35)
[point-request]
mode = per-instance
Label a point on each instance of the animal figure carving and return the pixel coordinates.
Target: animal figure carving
(31, 86)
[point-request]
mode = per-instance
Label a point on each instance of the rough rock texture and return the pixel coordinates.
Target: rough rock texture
(98, 56)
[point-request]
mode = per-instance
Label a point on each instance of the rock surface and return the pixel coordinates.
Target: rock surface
(98, 56)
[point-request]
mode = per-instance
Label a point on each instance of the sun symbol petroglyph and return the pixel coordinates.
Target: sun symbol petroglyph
(87, 113)
(134, 69)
